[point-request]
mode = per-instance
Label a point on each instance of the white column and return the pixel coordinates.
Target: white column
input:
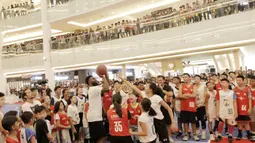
(3, 82)
(237, 60)
(124, 71)
(46, 45)
(216, 63)
(230, 63)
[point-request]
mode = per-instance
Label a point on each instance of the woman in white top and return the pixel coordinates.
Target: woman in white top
(146, 129)
(159, 122)
(74, 119)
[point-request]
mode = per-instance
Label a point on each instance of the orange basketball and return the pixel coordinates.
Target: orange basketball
(101, 70)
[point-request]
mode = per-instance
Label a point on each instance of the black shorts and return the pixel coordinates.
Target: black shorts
(75, 135)
(244, 118)
(188, 117)
(121, 139)
(201, 113)
(81, 120)
(97, 130)
(161, 130)
(166, 116)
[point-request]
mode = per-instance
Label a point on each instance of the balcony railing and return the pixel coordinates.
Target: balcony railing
(205, 12)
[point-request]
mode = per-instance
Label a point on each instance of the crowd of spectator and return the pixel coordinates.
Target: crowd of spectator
(161, 19)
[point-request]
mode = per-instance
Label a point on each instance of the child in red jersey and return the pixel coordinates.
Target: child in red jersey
(135, 110)
(107, 99)
(12, 125)
(252, 89)
(243, 99)
(62, 123)
(118, 122)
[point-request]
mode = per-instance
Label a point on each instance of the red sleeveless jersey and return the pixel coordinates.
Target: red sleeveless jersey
(253, 96)
(107, 100)
(218, 86)
(64, 119)
(134, 111)
(118, 126)
(188, 104)
(242, 100)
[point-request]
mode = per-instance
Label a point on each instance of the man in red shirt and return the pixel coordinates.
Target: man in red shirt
(252, 89)
(243, 99)
(187, 95)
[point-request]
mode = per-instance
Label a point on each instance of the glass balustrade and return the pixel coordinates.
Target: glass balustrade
(21, 9)
(208, 11)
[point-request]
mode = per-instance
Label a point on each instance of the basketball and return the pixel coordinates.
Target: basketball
(101, 70)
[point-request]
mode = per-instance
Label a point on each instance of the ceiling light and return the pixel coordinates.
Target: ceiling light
(26, 36)
(30, 39)
(148, 7)
(22, 28)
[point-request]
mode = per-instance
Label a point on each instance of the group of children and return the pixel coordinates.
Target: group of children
(138, 113)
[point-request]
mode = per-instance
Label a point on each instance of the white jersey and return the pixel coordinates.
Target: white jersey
(212, 105)
(226, 104)
(80, 103)
(151, 134)
(177, 101)
(200, 97)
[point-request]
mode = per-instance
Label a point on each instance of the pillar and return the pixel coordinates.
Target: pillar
(237, 60)
(49, 73)
(124, 69)
(172, 65)
(230, 63)
(216, 64)
(3, 82)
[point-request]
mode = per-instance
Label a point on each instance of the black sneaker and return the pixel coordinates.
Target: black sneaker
(230, 139)
(218, 139)
(251, 137)
(179, 135)
(239, 137)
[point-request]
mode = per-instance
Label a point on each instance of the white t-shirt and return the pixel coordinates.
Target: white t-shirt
(200, 97)
(95, 104)
(2, 137)
(177, 101)
(151, 134)
(226, 100)
(80, 104)
(27, 106)
(56, 99)
(155, 104)
(64, 101)
(72, 111)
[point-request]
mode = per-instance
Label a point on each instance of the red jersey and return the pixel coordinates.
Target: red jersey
(63, 118)
(10, 140)
(242, 100)
(253, 97)
(118, 126)
(188, 104)
(134, 111)
(218, 86)
(107, 100)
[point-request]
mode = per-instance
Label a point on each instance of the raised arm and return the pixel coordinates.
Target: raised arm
(130, 85)
(105, 83)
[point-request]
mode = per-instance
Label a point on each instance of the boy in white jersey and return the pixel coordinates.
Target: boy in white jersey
(226, 109)
(200, 102)
(210, 107)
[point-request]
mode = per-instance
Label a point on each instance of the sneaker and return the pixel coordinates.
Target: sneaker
(198, 132)
(218, 139)
(212, 138)
(196, 138)
(185, 138)
(230, 139)
(203, 137)
(239, 137)
(171, 140)
(179, 134)
(251, 138)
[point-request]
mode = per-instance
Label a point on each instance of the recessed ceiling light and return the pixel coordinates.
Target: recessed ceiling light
(91, 19)
(112, 12)
(138, 5)
(152, 1)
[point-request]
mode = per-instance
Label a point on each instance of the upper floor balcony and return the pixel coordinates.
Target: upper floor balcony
(167, 36)
(128, 28)
(20, 15)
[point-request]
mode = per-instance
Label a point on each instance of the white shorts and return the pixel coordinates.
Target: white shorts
(212, 114)
(252, 114)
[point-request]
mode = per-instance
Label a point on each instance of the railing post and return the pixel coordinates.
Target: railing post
(3, 81)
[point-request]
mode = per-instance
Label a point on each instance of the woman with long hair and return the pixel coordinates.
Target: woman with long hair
(146, 129)
(118, 122)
